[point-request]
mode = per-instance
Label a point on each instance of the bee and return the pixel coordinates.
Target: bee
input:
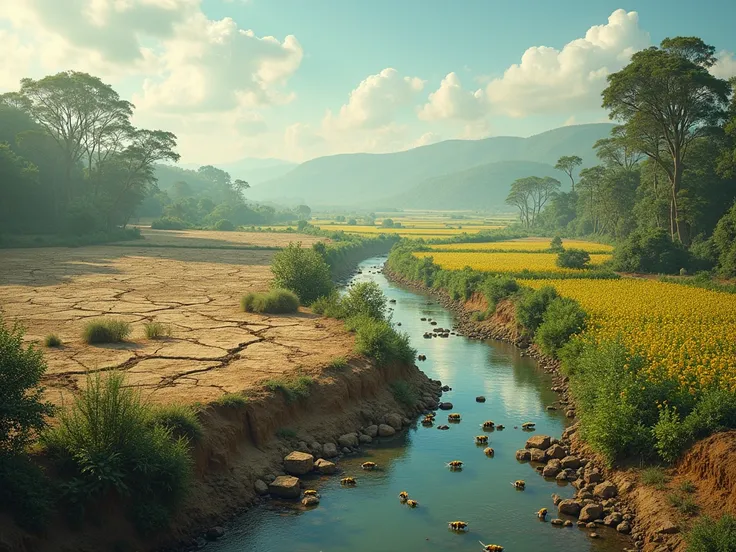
(455, 465)
(311, 492)
(492, 547)
(542, 514)
(412, 503)
(481, 440)
(488, 425)
(458, 525)
(430, 415)
(488, 451)
(368, 465)
(443, 427)
(528, 425)
(453, 418)
(519, 484)
(403, 496)
(349, 481)
(427, 421)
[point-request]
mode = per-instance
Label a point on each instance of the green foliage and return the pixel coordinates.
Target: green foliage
(654, 476)
(702, 280)
(651, 251)
(276, 301)
(22, 408)
(687, 486)
(404, 393)
(352, 222)
(670, 434)
(562, 319)
(224, 225)
(573, 258)
(303, 271)
(724, 242)
(105, 330)
(555, 246)
(530, 308)
(52, 340)
(180, 419)
(328, 305)
(376, 339)
(25, 491)
(387, 223)
(708, 535)
(338, 363)
(156, 330)
(293, 389)
(364, 298)
(684, 504)
(231, 400)
(169, 223)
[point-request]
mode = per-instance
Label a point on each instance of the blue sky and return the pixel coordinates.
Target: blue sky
(343, 75)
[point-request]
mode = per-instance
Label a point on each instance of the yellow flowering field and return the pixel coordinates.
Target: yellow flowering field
(685, 333)
(504, 262)
(438, 231)
(528, 244)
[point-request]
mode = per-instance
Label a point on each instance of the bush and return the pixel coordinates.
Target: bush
(169, 223)
(713, 536)
(365, 298)
(687, 487)
(180, 419)
(496, 288)
(25, 491)
(293, 389)
(105, 330)
(22, 410)
(224, 225)
(376, 339)
(303, 271)
(276, 301)
(404, 393)
(52, 340)
(328, 305)
(531, 307)
(338, 363)
(387, 223)
(231, 400)
(671, 435)
(352, 222)
(685, 504)
(573, 258)
(724, 243)
(562, 319)
(555, 246)
(654, 477)
(650, 250)
(156, 330)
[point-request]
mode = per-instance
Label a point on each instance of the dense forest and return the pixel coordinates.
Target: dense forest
(665, 183)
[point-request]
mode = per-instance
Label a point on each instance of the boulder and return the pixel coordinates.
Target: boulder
(394, 420)
(371, 431)
(555, 451)
(605, 490)
(480, 399)
(556, 499)
(592, 477)
(537, 455)
(569, 507)
(562, 476)
(571, 462)
(557, 521)
(551, 469)
(315, 447)
(325, 467)
(214, 533)
(445, 406)
(269, 477)
(298, 463)
(591, 512)
(364, 439)
(348, 440)
(310, 500)
(523, 455)
(285, 486)
(260, 487)
(329, 450)
(385, 430)
(624, 527)
(613, 519)
(541, 442)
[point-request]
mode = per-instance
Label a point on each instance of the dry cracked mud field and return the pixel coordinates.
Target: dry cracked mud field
(214, 348)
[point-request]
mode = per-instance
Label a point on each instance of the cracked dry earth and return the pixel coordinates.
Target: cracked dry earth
(214, 348)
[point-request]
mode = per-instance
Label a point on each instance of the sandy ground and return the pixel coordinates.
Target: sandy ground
(215, 348)
(211, 238)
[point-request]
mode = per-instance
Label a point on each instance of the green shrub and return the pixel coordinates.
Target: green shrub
(724, 243)
(105, 330)
(708, 535)
(292, 389)
(276, 301)
(231, 400)
(338, 363)
(478, 316)
(365, 298)
(303, 271)
(684, 504)
(52, 340)
(687, 486)
(328, 305)
(531, 307)
(562, 319)
(376, 339)
(169, 223)
(156, 330)
(573, 258)
(25, 491)
(650, 250)
(496, 288)
(556, 245)
(404, 393)
(180, 419)
(224, 225)
(655, 476)
(672, 436)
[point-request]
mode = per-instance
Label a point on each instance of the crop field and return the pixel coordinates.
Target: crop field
(685, 333)
(530, 245)
(504, 262)
(426, 232)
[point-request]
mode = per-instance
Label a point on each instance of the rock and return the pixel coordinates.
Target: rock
(303, 447)
(550, 407)
(624, 527)
(405, 421)
(371, 431)
(394, 420)
(667, 528)
(214, 533)
(298, 463)
(570, 413)
(268, 478)
(480, 399)
(325, 467)
(315, 447)
(562, 476)
(569, 507)
(591, 512)
(364, 439)
(555, 451)
(385, 430)
(556, 499)
(593, 535)
(310, 500)
(445, 406)
(590, 525)
(567, 523)
(348, 440)
(592, 477)
(329, 450)
(285, 486)
(605, 490)
(557, 521)
(614, 519)
(537, 455)
(541, 442)
(572, 462)
(551, 470)
(260, 487)
(346, 450)
(523, 455)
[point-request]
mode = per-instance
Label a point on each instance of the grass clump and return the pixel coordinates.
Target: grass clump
(684, 504)
(654, 477)
(231, 400)
(404, 393)
(293, 389)
(105, 330)
(157, 330)
(276, 301)
(52, 340)
(180, 419)
(338, 363)
(687, 487)
(708, 535)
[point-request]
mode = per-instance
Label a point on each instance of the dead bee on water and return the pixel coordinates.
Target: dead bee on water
(488, 424)
(489, 451)
(528, 425)
(481, 439)
(311, 492)
(403, 496)
(500, 427)
(430, 415)
(348, 481)
(453, 417)
(412, 503)
(492, 547)
(458, 525)
(368, 465)
(427, 421)
(455, 465)
(542, 514)
(519, 484)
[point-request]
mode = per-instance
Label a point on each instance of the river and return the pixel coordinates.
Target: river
(370, 517)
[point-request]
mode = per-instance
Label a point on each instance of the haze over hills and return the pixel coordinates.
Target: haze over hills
(409, 178)
(255, 171)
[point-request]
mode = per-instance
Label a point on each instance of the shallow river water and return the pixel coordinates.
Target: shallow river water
(370, 518)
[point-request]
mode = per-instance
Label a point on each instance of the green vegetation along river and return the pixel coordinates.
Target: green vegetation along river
(370, 517)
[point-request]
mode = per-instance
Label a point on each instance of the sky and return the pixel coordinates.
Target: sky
(298, 79)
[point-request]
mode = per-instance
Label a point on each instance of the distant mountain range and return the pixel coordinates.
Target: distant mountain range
(454, 174)
(254, 171)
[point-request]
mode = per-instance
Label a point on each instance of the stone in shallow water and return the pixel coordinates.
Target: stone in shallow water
(298, 463)
(285, 486)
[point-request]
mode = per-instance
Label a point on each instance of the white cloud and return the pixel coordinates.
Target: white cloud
(451, 101)
(426, 139)
(725, 67)
(571, 120)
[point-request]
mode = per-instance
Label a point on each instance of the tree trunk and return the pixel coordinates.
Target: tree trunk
(676, 182)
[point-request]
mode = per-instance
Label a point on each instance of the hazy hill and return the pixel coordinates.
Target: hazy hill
(251, 169)
(361, 178)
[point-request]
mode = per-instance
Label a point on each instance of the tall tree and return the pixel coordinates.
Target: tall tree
(568, 164)
(530, 195)
(666, 98)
